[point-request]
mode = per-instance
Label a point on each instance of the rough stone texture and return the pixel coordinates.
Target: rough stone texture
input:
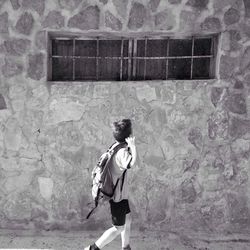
(36, 66)
(236, 103)
(121, 7)
(112, 22)
(227, 66)
(174, 1)
(165, 20)
(247, 8)
(86, 19)
(41, 39)
(15, 4)
(13, 135)
(54, 20)
(231, 16)
(218, 125)
(16, 47)
(70, 4)
(104, 1)
(37, 5)
(2, 102)
(137, 16)
(211, 24)
(216, 95)
(245, 59)
(4, 19)
(153, 4)
(11, 68)
(199, 4)
(193, 137)
(25, 23)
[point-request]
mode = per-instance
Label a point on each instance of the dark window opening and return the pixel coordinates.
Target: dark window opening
(72, 59)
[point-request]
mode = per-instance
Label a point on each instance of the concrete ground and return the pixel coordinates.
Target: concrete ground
(146, 241)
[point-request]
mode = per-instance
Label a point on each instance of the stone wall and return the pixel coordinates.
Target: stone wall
(193, 137)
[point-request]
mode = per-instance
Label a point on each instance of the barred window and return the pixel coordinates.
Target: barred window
(125, 59)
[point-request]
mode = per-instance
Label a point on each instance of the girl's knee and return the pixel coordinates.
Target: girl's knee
(119, 228)
(128, 219)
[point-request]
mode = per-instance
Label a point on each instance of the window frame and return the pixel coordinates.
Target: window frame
(132, 53)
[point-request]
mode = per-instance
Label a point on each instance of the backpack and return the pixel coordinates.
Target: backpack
(103, 187)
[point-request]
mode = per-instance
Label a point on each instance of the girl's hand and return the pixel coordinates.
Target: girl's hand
(130, 141)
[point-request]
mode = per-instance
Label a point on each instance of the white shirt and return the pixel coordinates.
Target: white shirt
(120, 163)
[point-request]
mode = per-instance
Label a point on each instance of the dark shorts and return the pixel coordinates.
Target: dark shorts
(119, 211)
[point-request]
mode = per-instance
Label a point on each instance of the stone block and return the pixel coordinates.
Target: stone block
(70, 137)
(40, 96)
(227, 66)
(11, 68)
(198, 4)
(195, 138)
(41, 39)
(15, 4)
(87, 19)
(245, 59)
(54, 20)
(112, 22)
(239, 127)
(2, 102)
(46, 187)
(216, 94)
(247, 8)
(12, 135)
(218, 125)
(37, 5)
(10, 164)
(70, 4)
(236, 103)
(4, 23)
(231, 16)
(64, 110)
(153, 4)
(211, 24)
(174, 1)
(16, 47)
(168, 94)
(137, 16)
(240, 146)
(165, 20)
(25, 23)
(18, 206)
(146, 92)
(104, 1)
(36, 66)
(188, 20)
(238, 210)
(121, 7)
(188, 193)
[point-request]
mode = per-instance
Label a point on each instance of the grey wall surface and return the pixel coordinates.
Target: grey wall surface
(193, 137)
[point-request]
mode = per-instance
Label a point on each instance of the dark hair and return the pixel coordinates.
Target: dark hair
(122, 129)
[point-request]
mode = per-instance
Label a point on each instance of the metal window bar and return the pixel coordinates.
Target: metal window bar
(145, 60)
(130, 53)
(192, 59)
(74, 59)
(132, 57)
(97, 59)
(167, 58)
(121, 59)
(135, 57)
(212, 64)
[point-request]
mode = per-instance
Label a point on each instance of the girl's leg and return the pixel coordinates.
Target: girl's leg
(108, 236)
(125, 234)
